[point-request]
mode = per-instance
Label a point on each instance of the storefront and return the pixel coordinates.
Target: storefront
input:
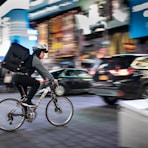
(116, 30)
(55, 22)
(94, 14)
(78, 29)
(120, 41)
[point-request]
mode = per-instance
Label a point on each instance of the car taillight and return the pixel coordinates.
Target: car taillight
(121, 72)
(92, 72)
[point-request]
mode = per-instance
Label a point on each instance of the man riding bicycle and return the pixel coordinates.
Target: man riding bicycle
(24, 79)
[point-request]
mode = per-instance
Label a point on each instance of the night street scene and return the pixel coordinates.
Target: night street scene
(74, 73)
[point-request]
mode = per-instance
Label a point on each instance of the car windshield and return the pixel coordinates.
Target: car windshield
(76, 73)
(117, 62)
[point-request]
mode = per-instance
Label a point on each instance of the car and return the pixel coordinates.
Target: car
(88, 63)
(71, 81)
(116, 79)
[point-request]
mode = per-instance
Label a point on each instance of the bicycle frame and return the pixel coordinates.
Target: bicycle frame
(44, 92)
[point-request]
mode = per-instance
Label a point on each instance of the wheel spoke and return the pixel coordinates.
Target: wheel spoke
(60, 90)
(61, 114)
(11, 114)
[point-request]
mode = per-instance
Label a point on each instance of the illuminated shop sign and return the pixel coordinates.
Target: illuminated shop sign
(40, 4)
(9, 6)
(42, 8)
(1, 58)
(139, 18)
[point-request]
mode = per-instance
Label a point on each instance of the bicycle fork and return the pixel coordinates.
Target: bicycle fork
(55, 101)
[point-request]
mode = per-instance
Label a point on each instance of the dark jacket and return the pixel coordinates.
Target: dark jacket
(33, 63)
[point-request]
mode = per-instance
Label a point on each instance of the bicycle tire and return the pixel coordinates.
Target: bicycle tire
(62, 116)
(12, 114)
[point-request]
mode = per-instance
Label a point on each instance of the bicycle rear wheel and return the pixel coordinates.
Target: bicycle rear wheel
(12, 114)
(59, 111)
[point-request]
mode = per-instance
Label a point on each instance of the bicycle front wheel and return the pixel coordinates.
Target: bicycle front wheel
(12, 114)
(59, 111)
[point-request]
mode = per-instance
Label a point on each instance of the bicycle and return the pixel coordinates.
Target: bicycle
(59, 110)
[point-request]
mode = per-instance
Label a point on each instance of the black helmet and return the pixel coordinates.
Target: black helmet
(40, 47)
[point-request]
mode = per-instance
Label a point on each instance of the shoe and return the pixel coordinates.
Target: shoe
(28, 103)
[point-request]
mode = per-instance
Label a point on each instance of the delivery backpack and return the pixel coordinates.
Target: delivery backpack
(15, 58)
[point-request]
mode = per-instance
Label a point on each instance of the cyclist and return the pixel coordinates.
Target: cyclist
(24, 79)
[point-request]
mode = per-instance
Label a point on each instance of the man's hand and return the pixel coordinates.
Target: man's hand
(56, 82)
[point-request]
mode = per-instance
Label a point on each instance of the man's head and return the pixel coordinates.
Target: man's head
(39, 50)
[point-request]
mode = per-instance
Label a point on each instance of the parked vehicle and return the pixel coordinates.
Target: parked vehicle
(115, 79)
(71, 80)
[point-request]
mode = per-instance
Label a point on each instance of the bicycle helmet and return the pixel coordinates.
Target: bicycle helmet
(40, 47)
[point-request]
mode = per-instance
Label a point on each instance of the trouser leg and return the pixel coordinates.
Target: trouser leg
(26, 81)
(33, 89)
(22, 90)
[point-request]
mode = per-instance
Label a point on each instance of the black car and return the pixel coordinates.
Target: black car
(116, 79)
(71, 80)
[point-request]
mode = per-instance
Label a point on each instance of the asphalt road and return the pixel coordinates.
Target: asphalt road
(94, 125)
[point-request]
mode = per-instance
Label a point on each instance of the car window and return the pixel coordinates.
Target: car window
(70, 73)
(80, 73)
(76, 73)
(117, 62)
(57, 73)
(87, 65)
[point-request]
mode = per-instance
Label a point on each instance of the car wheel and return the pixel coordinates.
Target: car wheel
(144, 94)
(110, 100)
(60, 90)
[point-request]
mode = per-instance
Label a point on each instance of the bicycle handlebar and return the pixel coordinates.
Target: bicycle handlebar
(51, 84)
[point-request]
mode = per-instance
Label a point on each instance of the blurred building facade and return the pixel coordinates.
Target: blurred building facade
(55, 22)
(112, 26)
(80, 28)
(15, 26)
(122, 27)
(83, 29)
